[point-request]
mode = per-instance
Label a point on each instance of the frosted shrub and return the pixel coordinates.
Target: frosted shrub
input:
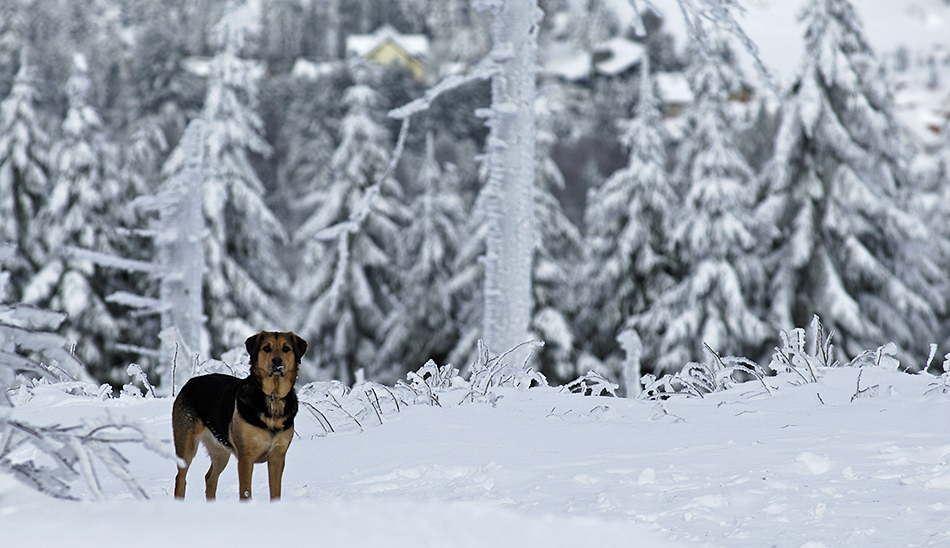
(490, 372)
(72, 452)
(592, 384)
(716, 374)
(425, 384)
(794, 357)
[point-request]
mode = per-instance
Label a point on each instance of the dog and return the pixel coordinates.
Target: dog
(251, 417)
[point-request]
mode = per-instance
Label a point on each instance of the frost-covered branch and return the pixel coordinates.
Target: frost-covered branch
(718, 13)
(74, 452)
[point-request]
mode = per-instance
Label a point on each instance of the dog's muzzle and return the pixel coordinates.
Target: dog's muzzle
(277, 368)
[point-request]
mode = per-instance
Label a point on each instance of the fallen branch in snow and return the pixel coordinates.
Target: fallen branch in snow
(868, 392)
(71, 450)
(591, 384)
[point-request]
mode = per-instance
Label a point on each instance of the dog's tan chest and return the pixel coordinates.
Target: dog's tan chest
(256, 443)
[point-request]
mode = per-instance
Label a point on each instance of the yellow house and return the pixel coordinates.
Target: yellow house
(387, 46)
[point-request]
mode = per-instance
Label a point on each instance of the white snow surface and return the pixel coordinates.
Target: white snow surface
(810, 465)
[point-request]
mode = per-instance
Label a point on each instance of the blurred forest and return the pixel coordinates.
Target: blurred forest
(674, 194)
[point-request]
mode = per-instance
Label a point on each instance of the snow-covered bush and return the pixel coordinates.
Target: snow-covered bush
(72, 453)
(490, 372)
(52, 458)
(719, 373)
(716, 374)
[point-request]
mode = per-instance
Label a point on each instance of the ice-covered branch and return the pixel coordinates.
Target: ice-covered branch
(71, 452)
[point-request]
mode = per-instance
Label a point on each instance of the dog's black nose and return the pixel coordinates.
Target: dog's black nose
(277, 361)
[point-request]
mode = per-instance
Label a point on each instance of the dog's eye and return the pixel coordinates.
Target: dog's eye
(267, 349)
(286, 349)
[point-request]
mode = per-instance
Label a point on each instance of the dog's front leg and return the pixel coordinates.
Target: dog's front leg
(245, 469)
(275, 471)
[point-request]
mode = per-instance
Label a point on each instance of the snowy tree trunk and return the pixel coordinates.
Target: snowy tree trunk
(510, 240)
(181, 253)
(630, 342)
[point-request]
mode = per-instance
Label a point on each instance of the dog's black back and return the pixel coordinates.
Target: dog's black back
(211, 398)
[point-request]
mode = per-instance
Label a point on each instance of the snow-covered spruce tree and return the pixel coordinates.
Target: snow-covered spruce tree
(307, 139)
(347, 283)
(719, 269)
(80, 210)
(12, 38)
(158, 99)
(24, 175)
(849, 252)
(557, 256)
(244, 271)
(468, 285)
(459, 34)
(596, 23)
(421, 326)
(629, 220)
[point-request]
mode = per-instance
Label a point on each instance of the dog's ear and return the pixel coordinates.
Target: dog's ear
(253, 345)
(300, 346)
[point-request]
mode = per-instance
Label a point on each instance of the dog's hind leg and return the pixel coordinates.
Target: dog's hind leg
(186, 430)
(219, 460)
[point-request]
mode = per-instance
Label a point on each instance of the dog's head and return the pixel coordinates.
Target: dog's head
(275, 360)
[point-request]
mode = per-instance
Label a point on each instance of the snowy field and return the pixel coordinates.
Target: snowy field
(845, 462)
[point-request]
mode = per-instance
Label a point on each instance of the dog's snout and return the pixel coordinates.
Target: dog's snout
(277, 367)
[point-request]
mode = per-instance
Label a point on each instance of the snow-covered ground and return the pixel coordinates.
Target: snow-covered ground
(811, 465)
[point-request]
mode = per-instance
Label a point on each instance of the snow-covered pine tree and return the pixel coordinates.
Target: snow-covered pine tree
(848, 251)
(347, 283)
(597, 23)
(158, 99)
(308, 140)
(12, 38)
(557, 256)
(468, 284)
(82, 205)
(720, 269)
(629, 221)
(24, 175)
(421, 327)
(244, 272)
(459, 34)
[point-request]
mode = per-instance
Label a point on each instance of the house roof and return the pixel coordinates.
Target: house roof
(623, 55)
(416, 45)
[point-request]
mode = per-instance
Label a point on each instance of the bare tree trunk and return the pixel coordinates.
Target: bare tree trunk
(511, 144)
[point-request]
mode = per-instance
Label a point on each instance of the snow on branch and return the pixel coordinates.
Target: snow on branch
(719, 15)
(73, 452)
(111, 261)
(28, 344)
(484, 70)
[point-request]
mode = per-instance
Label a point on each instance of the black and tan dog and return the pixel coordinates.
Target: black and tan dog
(251, 417)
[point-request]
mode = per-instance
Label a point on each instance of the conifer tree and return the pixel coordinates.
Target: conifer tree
(558, 252)
(348, 281)
(82, 206)
(24, 175)
(629, 220)
(720, 270)
(421, 326)
(244, 270)
(849, 252)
